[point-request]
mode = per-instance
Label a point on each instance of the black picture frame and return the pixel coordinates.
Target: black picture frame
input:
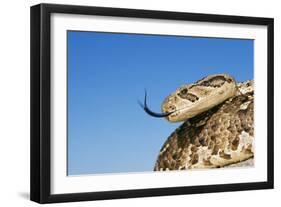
(41, 96)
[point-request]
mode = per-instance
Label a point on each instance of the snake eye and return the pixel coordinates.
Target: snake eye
(229, 80)
(184, 91)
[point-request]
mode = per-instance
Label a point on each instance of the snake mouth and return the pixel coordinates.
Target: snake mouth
(150, 112)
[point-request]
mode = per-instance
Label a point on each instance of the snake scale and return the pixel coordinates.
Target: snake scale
(218, 124)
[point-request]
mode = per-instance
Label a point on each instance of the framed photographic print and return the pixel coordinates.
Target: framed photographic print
(132, 103)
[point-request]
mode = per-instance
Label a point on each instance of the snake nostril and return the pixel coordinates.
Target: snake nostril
(172, 108)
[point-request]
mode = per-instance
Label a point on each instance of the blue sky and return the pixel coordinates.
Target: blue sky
(108, 132)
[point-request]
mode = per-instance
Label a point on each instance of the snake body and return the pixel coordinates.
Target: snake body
(218, 128)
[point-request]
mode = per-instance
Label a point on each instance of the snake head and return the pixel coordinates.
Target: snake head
(193, 99)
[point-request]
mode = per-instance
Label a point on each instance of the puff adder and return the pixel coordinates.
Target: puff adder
(218, 127)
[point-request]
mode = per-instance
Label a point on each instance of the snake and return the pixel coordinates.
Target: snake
(218, 124)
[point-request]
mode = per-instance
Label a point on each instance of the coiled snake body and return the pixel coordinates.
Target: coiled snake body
(218, 128)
